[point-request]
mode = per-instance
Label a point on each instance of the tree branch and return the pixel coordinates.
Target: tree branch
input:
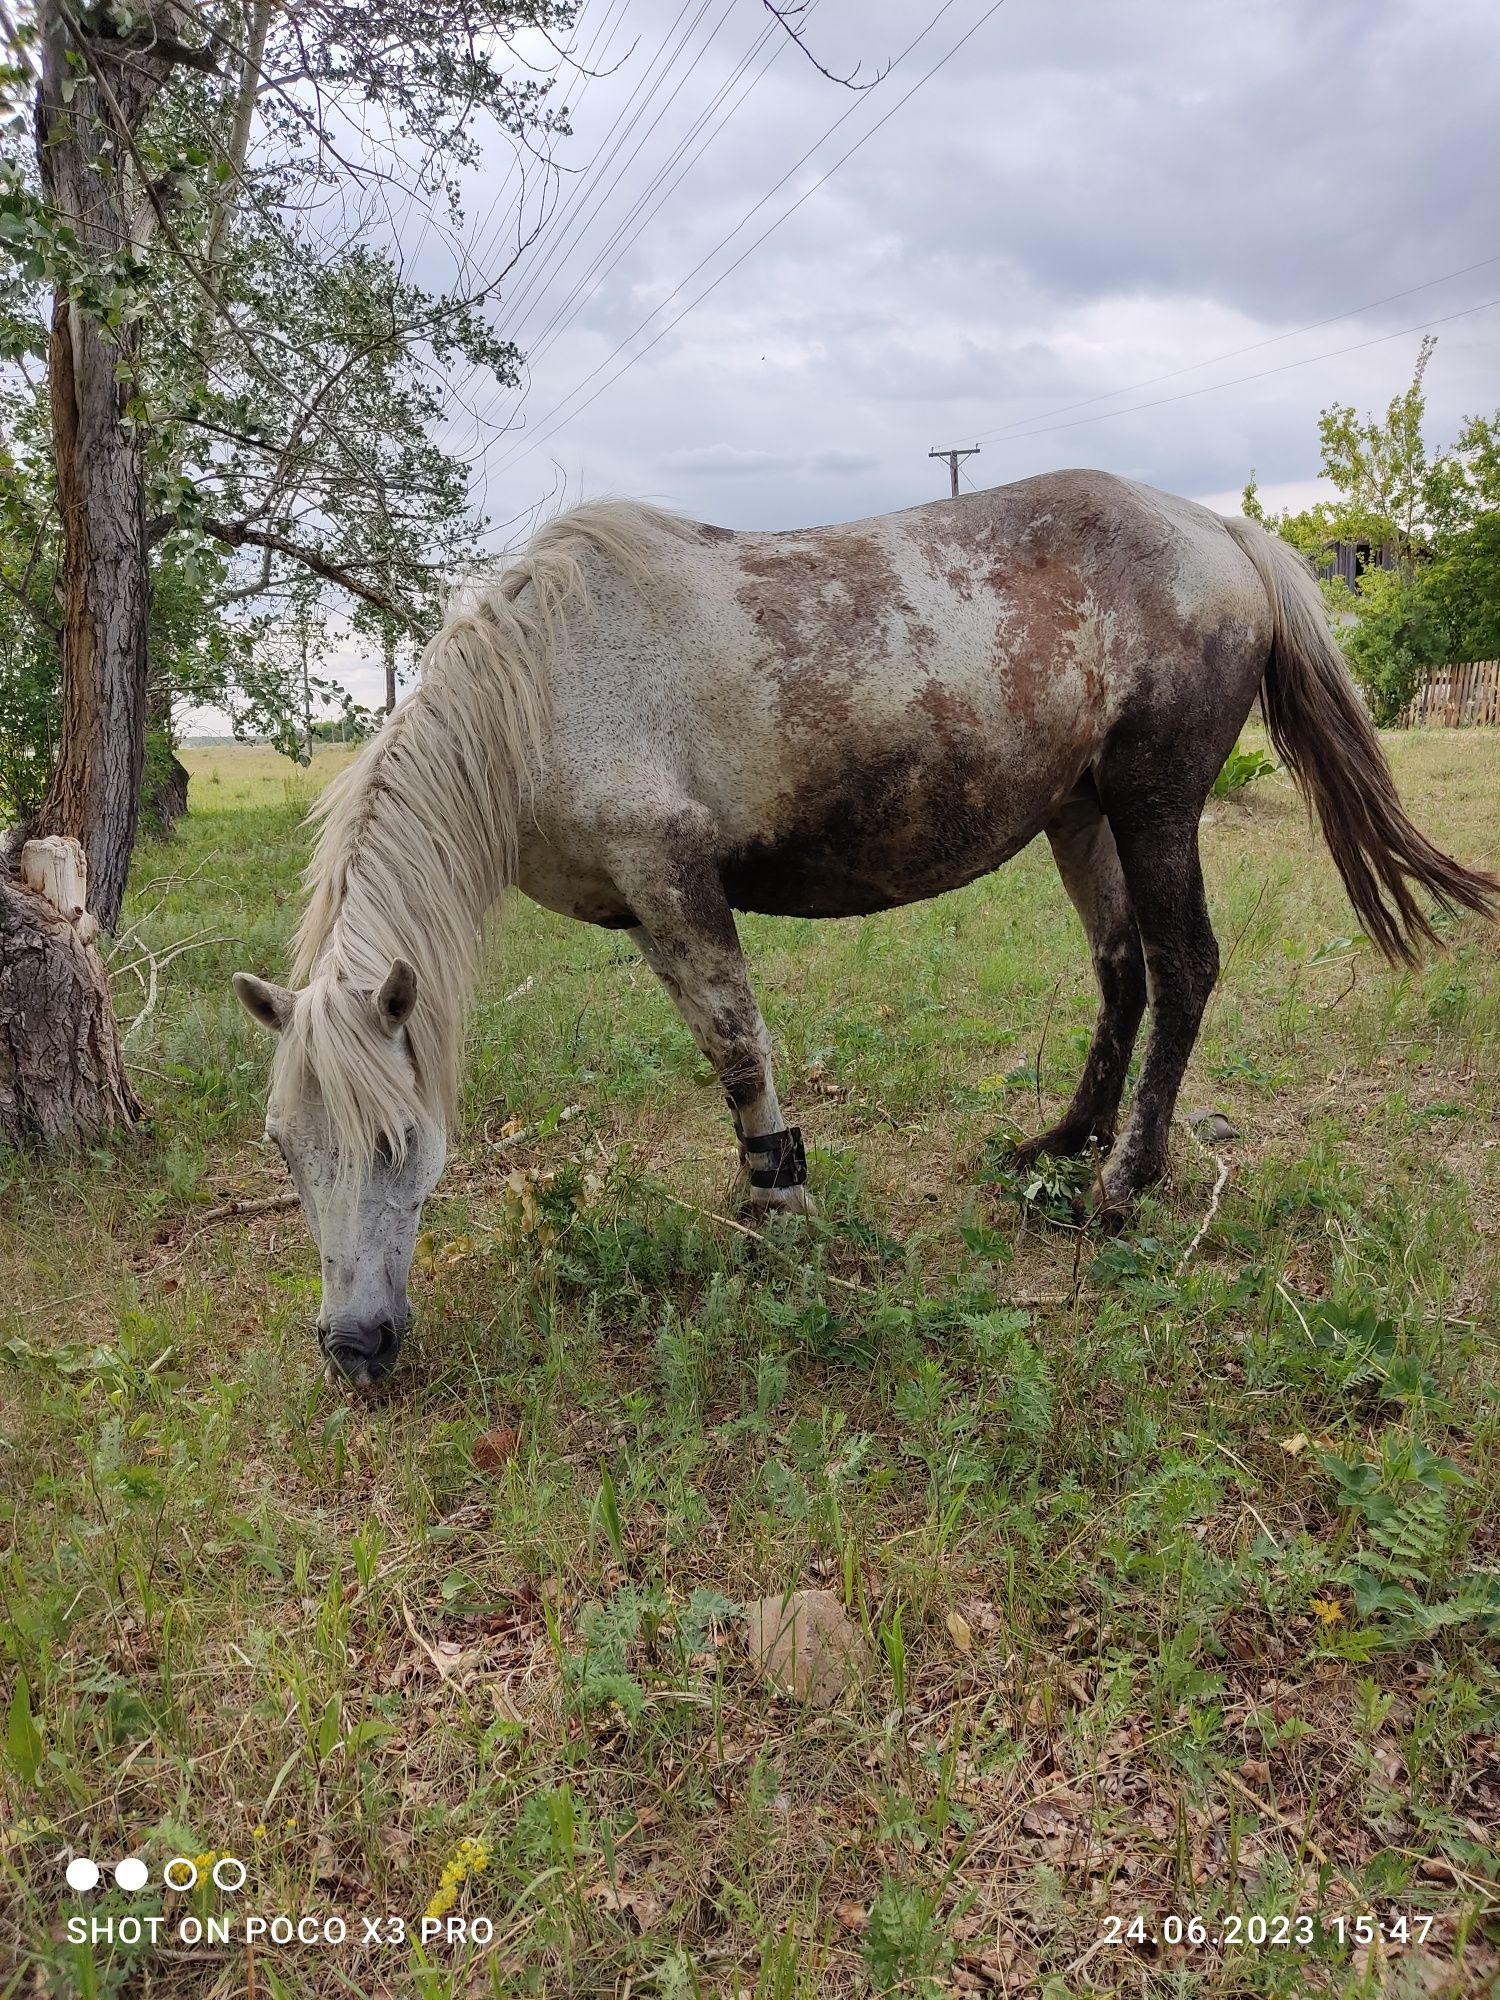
(789, 16)
(237, 534)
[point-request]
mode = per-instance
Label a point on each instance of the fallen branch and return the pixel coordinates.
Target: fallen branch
(230, 1211)
(1213, 1208)
(159, 965)
(758, 1236)
(511, 1140)
(1283, 1820)
(166, 883)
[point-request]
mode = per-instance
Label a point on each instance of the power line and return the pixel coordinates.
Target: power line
(558, 269)
(526, 448)
(410, 253)
(1259, 375)
(729, 237)
(603, 35)
(478, 255)
(1213, 360)
(564, 221)
(595, 277)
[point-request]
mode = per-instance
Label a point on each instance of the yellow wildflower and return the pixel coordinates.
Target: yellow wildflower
(258, 1832)
(470, 1857)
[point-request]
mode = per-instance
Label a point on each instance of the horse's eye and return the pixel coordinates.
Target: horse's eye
(384, 1155)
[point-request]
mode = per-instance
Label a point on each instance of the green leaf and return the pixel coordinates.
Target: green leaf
(327, 1734)
(23, 1739)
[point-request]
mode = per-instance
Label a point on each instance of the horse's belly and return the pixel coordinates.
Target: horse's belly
(896, 830)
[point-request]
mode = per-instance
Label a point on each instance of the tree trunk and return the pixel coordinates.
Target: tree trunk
(389, 637)
(167, 800)
(101, 489)
(62, 1075)
(89, 177)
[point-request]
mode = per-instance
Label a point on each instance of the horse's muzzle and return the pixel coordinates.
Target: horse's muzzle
(362, 1354)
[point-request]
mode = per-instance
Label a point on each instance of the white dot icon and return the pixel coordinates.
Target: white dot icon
(82, 1873)
(132, 1873)
(221, 1872)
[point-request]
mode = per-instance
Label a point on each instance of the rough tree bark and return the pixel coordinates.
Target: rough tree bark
(93, 94)
(62, 1075)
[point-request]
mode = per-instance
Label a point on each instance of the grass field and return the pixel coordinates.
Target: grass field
(1176, 1554)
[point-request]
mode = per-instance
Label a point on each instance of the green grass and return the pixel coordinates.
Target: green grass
(1181, 1577)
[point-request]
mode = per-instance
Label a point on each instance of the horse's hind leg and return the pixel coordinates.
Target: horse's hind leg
(1159, 857)
(686, 934)
(1084, 850)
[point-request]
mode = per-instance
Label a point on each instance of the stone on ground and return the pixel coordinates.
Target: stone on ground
(803, 1639)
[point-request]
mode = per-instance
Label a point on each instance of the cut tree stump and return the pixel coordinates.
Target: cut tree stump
(55, 868)
(62, 1075)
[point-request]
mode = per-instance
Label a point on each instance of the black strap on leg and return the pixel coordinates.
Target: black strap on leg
(776, 1159)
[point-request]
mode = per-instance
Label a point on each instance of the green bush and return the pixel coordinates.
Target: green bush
(1241, 767)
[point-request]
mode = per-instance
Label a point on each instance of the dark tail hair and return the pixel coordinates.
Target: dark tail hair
(1324, 735)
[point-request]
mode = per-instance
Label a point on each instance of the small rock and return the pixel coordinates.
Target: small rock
(1211, 1126)
(804, 1640)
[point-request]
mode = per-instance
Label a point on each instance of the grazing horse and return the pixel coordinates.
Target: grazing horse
(647, 724)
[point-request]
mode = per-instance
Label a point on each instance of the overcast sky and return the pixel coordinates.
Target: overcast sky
(1088, 195)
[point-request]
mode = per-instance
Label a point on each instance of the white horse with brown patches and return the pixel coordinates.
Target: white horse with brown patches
(648, 724)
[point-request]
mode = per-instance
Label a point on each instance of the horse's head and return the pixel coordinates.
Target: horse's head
(364, 1144)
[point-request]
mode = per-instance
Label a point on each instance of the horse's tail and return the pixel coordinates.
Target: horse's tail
(1323, 733)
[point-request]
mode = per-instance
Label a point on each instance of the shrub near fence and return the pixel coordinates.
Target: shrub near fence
(1465, 696)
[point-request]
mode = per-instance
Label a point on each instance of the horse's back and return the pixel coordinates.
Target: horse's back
(872, 712)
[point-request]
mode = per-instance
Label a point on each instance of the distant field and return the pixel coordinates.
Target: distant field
(225, 776)
(1180, 1573)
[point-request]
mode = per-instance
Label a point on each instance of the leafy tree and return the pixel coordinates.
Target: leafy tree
(1436, 517)
(216, 385)
(215, 391)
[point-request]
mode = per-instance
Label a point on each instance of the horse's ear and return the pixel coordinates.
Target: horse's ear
(397, 997)
(271, 1005)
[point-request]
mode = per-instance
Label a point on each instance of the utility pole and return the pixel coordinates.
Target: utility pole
(953, 457)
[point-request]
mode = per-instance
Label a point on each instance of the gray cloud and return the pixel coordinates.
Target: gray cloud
(1087, 196)
(725, 461)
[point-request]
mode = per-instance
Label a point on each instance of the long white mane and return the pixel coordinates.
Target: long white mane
(418, 837)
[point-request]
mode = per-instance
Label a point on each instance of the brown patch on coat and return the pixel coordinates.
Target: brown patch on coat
(944, 548)
(1089, 652)
(952, 717)
(827, 604)
(708, 533)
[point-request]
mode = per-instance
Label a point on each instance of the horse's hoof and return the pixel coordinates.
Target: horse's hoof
(1057, 1143)
(763, 1203)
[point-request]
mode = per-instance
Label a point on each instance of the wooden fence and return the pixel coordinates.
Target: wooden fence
(1466, 696)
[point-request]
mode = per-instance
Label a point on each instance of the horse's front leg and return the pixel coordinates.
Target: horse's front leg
(686, 934)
